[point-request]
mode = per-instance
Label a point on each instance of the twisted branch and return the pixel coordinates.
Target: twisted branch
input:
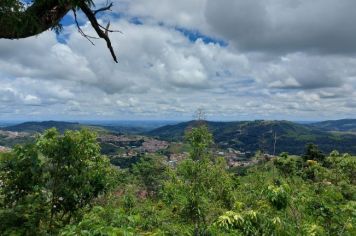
(91, 17)
(44, 15)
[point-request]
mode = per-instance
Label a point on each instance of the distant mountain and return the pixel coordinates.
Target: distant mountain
(142, 124)
(345, 125)
(242, 135)
(61, 126)
(259, 135)
(34, 127)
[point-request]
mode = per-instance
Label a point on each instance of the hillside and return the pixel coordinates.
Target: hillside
(259, 135)
(241, 135)
(39, 127)
(345, 125)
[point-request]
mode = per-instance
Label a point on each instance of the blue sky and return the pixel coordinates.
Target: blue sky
(237, 60)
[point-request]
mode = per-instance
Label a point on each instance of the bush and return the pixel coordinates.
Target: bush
(48, 183)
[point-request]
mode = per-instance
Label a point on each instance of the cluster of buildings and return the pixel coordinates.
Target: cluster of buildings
(153, 145)
(12, 135)
(122, 140)
(175, 158)
(4, 149)
(236, 158)
(135, 146)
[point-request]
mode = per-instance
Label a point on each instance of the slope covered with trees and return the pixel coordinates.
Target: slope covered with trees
(346, 125)
(261, 135)
(40, 127)
(61, 185)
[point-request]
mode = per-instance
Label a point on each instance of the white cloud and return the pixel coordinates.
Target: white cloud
(162, 74)
(280, 26)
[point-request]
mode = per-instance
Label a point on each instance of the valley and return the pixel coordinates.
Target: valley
(236, 141)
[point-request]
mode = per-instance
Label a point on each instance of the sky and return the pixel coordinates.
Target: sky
(235, 59)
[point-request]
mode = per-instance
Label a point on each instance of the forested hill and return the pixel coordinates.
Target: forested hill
(259, 135)
(242, 135)
(34, 127)
(61, 126)
(346, 125)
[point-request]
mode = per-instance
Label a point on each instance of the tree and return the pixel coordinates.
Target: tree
(151, 171)
(20, 20)
(199, 184)
(199, 139)
(47, 183)
(313, 153)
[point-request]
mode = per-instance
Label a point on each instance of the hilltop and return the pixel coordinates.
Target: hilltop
(344, 125)
(39, 127)
(260, 135)
(241, 135)
(61, 126)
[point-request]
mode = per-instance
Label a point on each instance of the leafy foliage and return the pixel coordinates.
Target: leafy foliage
(198, 183)
(150, 171)
(48, 183)
(313, 153)
(288, 195)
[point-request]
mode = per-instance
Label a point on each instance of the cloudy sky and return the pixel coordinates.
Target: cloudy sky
(236, 59)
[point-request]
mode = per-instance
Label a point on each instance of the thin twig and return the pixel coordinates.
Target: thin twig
(109, 30)
(107, 8)
(91, 16)
(88, 37)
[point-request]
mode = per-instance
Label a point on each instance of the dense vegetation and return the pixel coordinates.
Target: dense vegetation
(337, 125)
(47, 184)
(62, 185)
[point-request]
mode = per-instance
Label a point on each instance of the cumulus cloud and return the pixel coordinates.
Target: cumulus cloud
(303, 71)
(280, 63)
(282, 26)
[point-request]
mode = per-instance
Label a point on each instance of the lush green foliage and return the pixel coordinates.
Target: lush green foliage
(313, 153)
(288, 195)
(150, 171)
(47, 184)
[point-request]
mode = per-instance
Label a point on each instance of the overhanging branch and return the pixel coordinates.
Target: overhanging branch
(39, 17)
(107, 8)
(44, 15)
(102, 34)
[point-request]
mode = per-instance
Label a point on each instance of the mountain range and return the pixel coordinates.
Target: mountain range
(262, 135)
(61, 126)
(269, 136)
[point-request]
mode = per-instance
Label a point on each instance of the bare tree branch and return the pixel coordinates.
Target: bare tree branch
(109, 30)
(107, 8)
(91, 16)
(88, 37)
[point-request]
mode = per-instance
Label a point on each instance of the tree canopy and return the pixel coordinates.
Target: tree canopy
(22, 19)
(45, 185)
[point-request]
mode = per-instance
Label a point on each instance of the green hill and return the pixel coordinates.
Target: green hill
(345, 125)
(259, 135)
(61, 126)
(39, 127)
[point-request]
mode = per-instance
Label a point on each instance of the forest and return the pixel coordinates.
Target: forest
(62, 185)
